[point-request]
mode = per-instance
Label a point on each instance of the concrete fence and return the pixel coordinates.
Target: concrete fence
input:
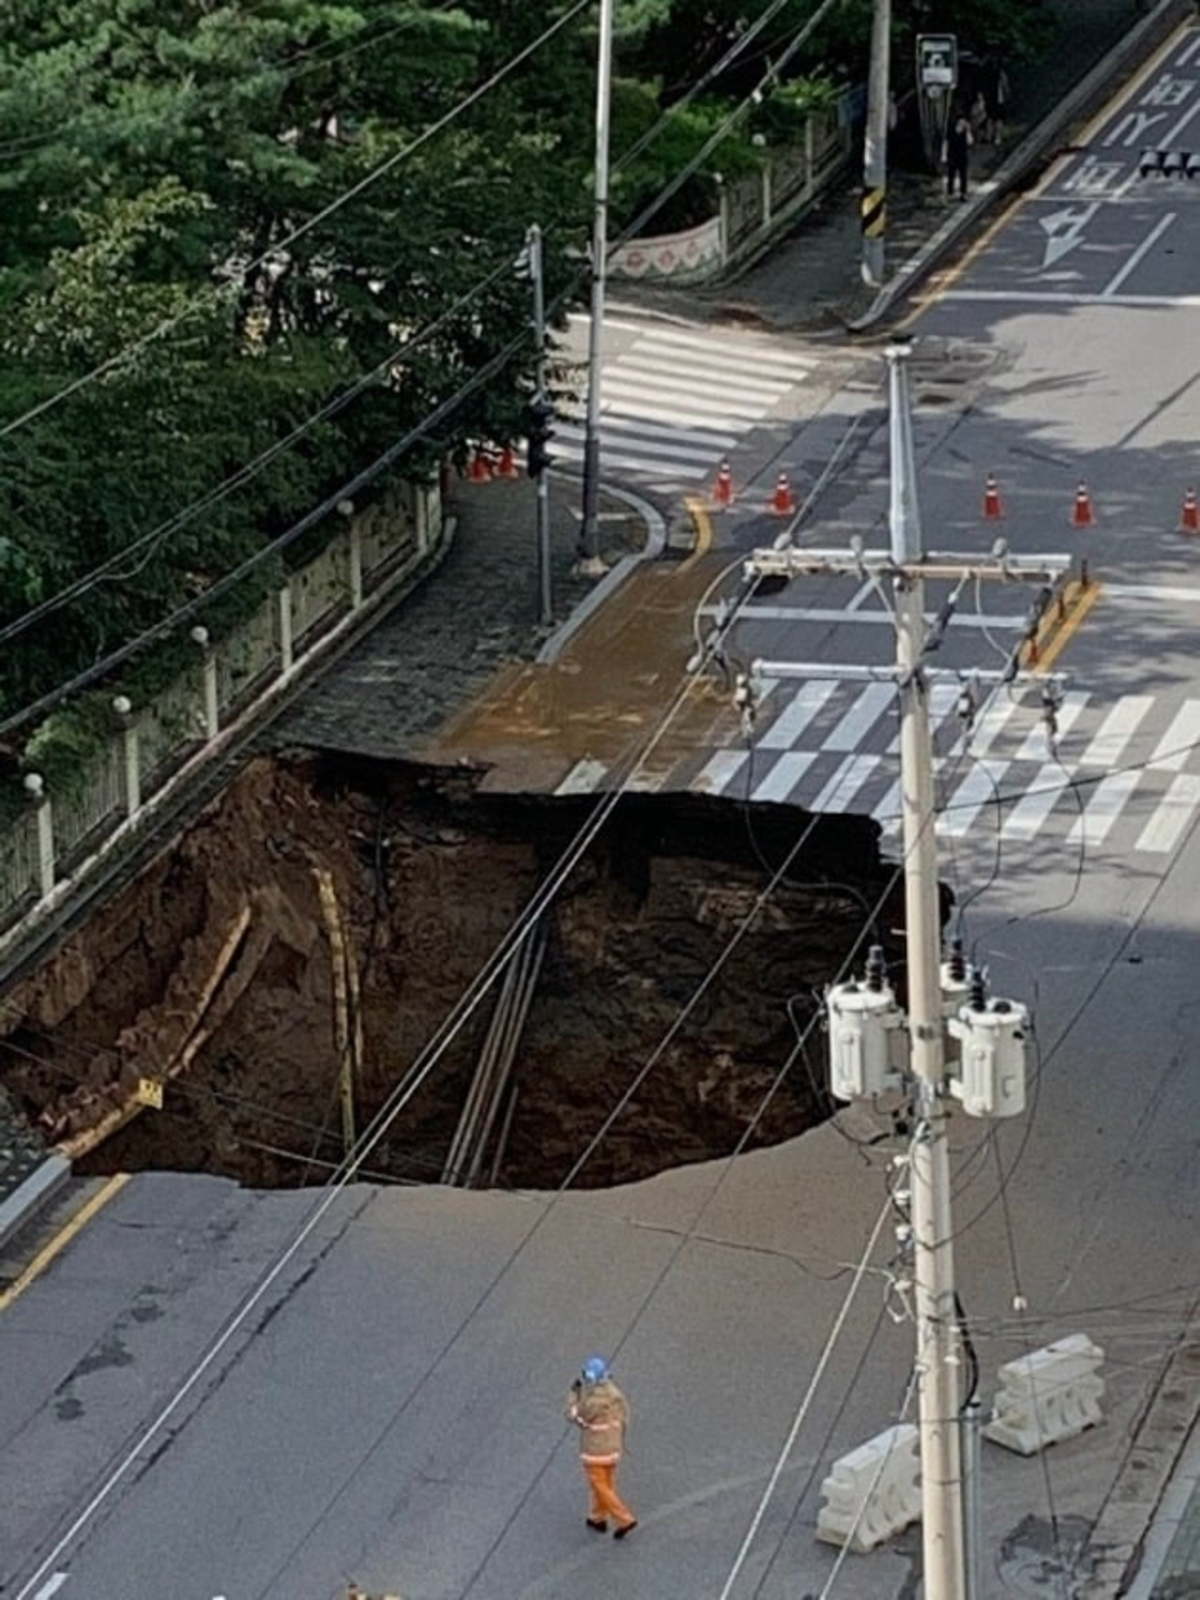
(59, 838)
(751, 211)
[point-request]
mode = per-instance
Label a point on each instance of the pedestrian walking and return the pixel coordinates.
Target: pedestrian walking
(601, 1413)
(956, 153)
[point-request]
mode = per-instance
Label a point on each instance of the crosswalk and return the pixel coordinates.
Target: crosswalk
(673, 403)
(1123, 774)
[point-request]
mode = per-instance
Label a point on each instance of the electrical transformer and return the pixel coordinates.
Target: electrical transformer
(863, 1019)
(992, 1035)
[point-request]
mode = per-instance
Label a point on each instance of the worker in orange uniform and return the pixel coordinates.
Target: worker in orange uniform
(601, 1413)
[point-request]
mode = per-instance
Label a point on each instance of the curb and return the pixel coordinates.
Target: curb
(1139, 42)
(31, 1194)
(656, 539)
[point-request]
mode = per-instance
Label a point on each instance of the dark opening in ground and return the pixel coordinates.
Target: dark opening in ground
(215, 974)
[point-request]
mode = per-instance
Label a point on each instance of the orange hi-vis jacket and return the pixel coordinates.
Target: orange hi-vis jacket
(601, 1413)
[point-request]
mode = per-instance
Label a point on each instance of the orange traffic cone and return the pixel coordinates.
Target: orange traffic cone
(481, 467)
(783, 502)
(507, 467)
(1084, 514)
(1189, 517)
(993, 511)
(723, 488)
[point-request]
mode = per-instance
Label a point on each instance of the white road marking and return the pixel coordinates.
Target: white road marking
(990, 722)
(1036, 746)
(654, 447)
(1037, 803)
(622, 422)
(887, 812)
(1053, 297)
(51, 1586)
(1175, 745)
(845, 783)
(1104, 808)
(754, 357)
(1064, 231)
(658, 412)
(655, 365)
(584, 777)
(943, 698)
(1174, 811)
(665, 471)
(1141, 252)
(1118, 727)
(783, 777)
(1171, 142)
(1188, 51)
(861, 717)
(797, 714)
(719, 771)
(1150, 591)
(684, 396)
(980, 785)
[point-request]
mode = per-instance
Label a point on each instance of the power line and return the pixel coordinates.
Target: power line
(239, 278)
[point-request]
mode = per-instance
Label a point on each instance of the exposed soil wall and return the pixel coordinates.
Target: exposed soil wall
(214, 973)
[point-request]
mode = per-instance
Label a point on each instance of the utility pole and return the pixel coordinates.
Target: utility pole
(533, 246)
(875, 147)
(870, 1054)
(590, 564)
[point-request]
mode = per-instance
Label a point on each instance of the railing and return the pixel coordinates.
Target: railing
(52, 845)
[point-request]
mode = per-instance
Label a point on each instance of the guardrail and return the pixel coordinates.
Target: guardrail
(58, 840)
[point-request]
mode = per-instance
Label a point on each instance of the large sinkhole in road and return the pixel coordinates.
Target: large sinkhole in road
(319, 912)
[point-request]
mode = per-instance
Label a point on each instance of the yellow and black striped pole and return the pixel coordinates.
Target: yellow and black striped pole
(874, 213)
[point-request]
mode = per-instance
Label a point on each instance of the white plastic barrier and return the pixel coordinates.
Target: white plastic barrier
(1048, 1395)
(873, 1492)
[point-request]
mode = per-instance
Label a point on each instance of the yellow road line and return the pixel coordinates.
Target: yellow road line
(704, 531)
(62, 1238)
(1109, 109)
(1069, 628)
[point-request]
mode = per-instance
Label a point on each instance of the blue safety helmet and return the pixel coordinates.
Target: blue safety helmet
(595, 1369)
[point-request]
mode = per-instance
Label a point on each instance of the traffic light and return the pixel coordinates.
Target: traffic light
(541, 414)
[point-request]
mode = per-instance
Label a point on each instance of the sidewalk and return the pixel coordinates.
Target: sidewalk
(810, 280)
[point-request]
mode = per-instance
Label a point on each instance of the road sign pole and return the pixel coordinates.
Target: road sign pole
(874, 196)
(933, 1265)
(533, 243)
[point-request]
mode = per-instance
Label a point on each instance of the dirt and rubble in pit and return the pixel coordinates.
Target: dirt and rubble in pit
(213, 972)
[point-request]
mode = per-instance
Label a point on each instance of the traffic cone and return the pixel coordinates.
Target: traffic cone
(1189, 517)
(507, 467)
(723, 488)
(481, 467)
(993, 511)
(783, 502)
(1084, 514)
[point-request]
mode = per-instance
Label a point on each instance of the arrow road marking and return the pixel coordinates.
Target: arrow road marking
(1064, 230)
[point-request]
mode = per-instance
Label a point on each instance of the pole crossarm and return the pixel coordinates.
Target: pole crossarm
(761, 668)
(881, 563)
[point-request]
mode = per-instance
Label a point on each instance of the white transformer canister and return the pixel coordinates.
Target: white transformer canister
(862, 1021)
(992, 1064)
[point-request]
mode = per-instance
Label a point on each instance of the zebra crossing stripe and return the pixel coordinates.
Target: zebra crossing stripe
(683, 397)
(785, 775)
(943, 698)
(1031, 811)
(719, 771)
(861, 717)
(997, 709)
(584, 777)
(615, 421)
(1172, 815)
(1174, 746)
(731, 355)
(708, 414)
(845, 783)
(733, 389)
(1118, 727)
(619, 442)
(797, 714)
(979, 786)
(1036, 746)
(772, 390)
(1104, 808)
(666, 471)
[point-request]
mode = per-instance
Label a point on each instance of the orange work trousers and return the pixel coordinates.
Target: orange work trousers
(605, 1502)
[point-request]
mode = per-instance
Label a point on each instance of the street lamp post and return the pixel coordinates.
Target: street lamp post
(590, 563)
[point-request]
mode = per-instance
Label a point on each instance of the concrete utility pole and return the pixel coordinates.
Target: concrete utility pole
(875, 158)
(865, 1023)
(933, 1269)
(533, 245)
(590, 563)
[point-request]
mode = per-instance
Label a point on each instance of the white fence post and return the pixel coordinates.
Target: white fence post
(286, 655)
(35, 786)
(422, 505)
(808, 157)
(208, 678)
(129, 742)
(356, 570)
(723, 197)
(766, 196)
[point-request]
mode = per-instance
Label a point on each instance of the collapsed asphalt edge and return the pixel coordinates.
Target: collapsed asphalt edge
(1139, 42)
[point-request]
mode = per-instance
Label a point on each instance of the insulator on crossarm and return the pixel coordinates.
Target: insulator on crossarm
(956, 962)
(876, 969)
(978, 990)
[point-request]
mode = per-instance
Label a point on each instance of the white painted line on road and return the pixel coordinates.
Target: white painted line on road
(771, 389)
(753, 613)
(1118, 727)
(996, 711)
(845, 783)
(1188, 51)
(887, 812)
(1171, 142)
(665, 471)
(1174, 811)
(619, 421)
(681, 394)
(754, 357)
(1175, 745)
(641, 405)
(980, 785)
(1104, 808)
(719, 771)
(1057, 298)
(1142, 251)
(783, 777)
(654, 447)
(1036, 805)
(51, 1586)
(584, 777)
(1150, 591)
(943, 699)
(860, 595)
(1036, 746)
(861, 717)
(797, 714)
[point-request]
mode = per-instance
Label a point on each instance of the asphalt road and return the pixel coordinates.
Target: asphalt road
(389, 1408)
